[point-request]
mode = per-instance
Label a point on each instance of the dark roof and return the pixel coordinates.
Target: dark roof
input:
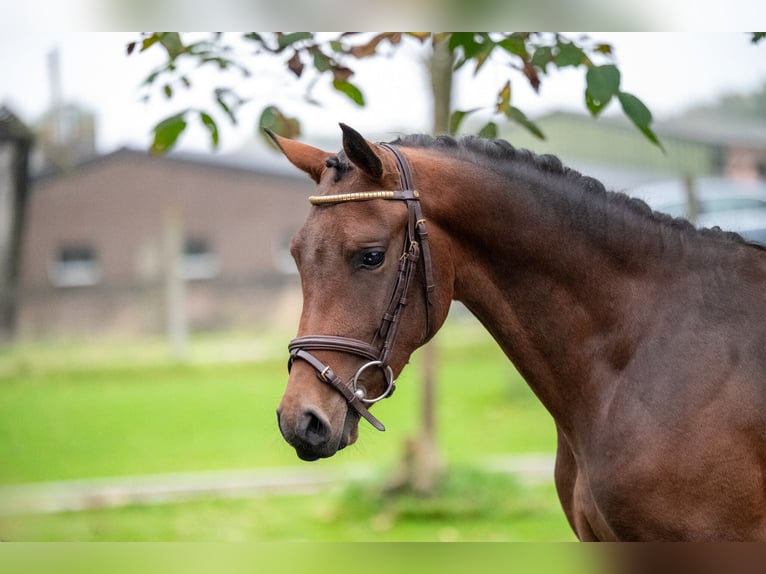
(12, 128)
(717, 131)
(711, 130)
(276, 166)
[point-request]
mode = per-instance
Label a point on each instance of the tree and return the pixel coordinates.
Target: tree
(528, 56)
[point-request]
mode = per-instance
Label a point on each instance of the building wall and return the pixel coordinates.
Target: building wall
(745, 164)
(119, 205)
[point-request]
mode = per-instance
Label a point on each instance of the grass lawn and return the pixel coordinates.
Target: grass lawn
(84, 411)
(61, 418)
(469, 506)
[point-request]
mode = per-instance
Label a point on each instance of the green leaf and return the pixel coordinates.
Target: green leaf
(168, 89)
(321, 61)
(220, 94)
(635, 109)
(211, 126)
(482, 57)
(167, 131)
(149, 42)
(464, 40)
(757, 37)
(272, 118)
(515, 44)
(603, 82)
(489, 130)
(172, 43)
(457, 118)
(253, 37)
(594, 107)
(471, 44)
(350, 90)
(568, 55)
(542, 57)
(286, 40)
(222, 63)
(640, 115)
(516, 115)
(151, 77)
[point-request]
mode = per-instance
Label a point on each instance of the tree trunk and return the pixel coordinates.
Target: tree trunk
(422, 463)
(14, 191)
(175, 288)
(692, 204)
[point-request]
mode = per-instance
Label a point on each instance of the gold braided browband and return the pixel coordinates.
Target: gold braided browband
(361, 196)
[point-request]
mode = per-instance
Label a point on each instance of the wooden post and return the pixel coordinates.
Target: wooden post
(175, 287)
(15, 146)
(692, 203)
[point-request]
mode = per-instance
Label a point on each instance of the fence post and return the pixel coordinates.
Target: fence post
(175, 287)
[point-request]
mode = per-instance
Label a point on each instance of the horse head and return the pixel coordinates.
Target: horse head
(369, 294)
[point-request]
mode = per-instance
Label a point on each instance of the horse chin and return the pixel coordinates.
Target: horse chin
(310, 456)
(312, 453)
(348, 436)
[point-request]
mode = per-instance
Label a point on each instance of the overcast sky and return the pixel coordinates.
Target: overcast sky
(668, 71)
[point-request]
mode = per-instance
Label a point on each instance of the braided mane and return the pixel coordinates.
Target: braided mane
(500, 156)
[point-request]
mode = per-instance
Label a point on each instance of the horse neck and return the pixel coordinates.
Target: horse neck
(549, 287)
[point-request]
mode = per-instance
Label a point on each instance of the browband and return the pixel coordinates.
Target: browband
(403, 194)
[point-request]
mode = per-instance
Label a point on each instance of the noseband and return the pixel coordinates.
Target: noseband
(378, 352)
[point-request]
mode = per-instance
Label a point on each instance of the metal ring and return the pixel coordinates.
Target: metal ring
(387, 372)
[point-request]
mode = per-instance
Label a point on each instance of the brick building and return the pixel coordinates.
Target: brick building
(95, 260)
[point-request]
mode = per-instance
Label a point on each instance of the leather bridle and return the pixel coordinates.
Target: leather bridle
(378, 352)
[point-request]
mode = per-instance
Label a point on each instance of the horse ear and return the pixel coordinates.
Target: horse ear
(361, 153)
(303, 156)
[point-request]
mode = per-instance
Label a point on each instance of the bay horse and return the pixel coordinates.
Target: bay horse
(644, 337)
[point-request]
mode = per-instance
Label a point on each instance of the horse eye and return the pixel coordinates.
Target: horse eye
(373, 259)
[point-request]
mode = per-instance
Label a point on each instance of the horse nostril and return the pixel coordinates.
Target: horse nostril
(316, 430)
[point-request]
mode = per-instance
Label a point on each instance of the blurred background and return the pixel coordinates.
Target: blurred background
(146, 299)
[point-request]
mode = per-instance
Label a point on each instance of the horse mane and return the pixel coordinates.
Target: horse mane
(500, 155)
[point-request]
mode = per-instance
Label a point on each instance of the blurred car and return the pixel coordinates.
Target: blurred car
(729, 204)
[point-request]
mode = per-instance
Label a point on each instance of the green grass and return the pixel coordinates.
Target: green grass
(469, 506)
(72, 410)
(64, 418)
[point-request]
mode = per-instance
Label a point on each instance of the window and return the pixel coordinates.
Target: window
(74, 266)
(199, 261)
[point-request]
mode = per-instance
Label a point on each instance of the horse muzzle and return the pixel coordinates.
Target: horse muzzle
(314, 435)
